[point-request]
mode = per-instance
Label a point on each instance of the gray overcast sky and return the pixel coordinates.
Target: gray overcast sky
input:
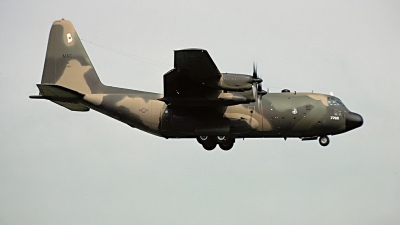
(63, 167)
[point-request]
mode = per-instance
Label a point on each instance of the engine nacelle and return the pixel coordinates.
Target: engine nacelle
(235, 82)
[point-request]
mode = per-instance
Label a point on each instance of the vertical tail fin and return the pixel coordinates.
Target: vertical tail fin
(67, 63)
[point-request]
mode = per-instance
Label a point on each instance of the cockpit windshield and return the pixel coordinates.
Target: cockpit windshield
(335, 101)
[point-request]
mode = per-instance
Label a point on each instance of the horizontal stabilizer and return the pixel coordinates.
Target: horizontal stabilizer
(56, 91)
(62, 96)
(73, 106)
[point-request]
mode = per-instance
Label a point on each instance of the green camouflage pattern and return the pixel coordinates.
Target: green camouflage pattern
(70, 80)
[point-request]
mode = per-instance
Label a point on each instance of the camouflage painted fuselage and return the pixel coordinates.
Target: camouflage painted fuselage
(281, 115)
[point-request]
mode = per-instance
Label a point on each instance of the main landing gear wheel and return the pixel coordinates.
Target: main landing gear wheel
(225, 143)
(209, 146)
(226, 146)
(202, 139)
(324, 141)
(209, 143)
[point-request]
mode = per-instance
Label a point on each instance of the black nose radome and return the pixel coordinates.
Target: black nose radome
(353, 120)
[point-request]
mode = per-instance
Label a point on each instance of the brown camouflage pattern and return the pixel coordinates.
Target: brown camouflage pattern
(70, 80)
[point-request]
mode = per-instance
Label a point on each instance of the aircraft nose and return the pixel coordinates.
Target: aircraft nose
(353, 120)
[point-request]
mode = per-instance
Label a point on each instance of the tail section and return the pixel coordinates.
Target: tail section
(67, 63)
(68, 75)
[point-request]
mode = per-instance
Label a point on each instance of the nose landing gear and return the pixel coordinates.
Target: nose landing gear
(324, 141)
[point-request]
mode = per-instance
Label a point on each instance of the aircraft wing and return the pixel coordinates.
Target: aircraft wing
(194, 81)
(198, 64)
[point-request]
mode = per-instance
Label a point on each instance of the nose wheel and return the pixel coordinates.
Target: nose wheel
(324, 141)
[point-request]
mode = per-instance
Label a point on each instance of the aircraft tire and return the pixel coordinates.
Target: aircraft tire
(324, 141)
(200, 140)
(209, 146)
(226, 147)
(227, 143)
(205, 139)
(221, 138)
(208, 142)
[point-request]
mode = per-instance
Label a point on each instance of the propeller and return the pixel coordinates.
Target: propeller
(258, 92)
(255, 81)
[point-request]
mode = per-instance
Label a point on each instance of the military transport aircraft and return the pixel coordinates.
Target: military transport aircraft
(198, 101)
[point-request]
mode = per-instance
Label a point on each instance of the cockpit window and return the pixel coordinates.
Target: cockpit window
(335, 101)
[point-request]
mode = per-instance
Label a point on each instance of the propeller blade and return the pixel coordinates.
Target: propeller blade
(254, 71)
(256, 79)
(258, 92)
(259, 102)
(254, 91)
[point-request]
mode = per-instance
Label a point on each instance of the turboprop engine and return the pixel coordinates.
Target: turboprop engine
(242, 83)
(237, 82)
